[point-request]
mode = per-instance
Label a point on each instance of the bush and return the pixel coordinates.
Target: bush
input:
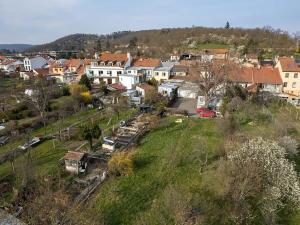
(120, 164)
(289, 144)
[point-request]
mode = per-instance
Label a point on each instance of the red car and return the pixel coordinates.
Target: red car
(206, 113)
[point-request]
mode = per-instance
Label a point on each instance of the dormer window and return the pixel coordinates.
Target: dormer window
(102, 64)
(118, 64)
(110, 64)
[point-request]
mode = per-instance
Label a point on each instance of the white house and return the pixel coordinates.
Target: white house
(169, 88)
(144, 66)
(130, 80)
(108, 67)
(188, 90)
(34, 63)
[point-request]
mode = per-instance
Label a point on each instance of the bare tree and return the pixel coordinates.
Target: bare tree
(211, 77)
(40, 97)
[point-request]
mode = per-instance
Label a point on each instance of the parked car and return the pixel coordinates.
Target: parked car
(206, 113)
(3, 140)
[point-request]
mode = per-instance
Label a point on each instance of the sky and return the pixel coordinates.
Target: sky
(42, 21)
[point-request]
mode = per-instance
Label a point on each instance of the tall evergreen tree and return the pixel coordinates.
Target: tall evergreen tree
(227, 26)
(85, 81)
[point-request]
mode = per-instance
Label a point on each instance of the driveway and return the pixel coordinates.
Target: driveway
(187, 104)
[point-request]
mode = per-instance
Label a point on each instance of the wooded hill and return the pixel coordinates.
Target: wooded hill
(160, 42)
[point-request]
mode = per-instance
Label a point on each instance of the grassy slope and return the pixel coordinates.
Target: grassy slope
(167, 158)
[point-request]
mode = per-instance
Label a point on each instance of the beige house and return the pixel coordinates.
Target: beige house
(290, 74)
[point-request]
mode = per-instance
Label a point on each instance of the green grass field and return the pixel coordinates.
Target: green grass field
(168, 158)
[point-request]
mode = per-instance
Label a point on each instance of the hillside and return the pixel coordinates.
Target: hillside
(15, 47)
(163, 41)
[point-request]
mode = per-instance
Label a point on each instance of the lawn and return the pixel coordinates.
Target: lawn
(169, 158)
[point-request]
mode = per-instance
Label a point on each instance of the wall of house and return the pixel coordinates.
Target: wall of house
(141, 91)
(291, 85)
(161, 75)
(273, 88)
(129, 81)
(105, 71)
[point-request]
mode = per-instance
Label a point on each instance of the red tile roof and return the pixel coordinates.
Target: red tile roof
(111, 57)
(42, 71)
(146, 62)
(263, 75)
(118, 86)
(146, 87)
(73, 63)
(288, 64)
(77, 156)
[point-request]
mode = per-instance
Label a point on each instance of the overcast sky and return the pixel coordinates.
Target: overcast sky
(41, 21)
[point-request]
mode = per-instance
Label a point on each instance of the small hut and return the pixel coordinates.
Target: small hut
(76, 162)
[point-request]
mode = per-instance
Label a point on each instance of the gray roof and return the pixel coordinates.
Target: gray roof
(38, 62)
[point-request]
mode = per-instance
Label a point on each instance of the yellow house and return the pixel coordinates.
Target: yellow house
(290, 74)
(57, 68)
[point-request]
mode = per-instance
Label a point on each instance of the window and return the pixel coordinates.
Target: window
(294, 85)
(100, 72)
(108, 72)
(119, 72)
(156, 73)
(285, 84)
(129, 71)
(287, 75)
(296, 75)
(164, 74)
(102, 64)
(110, 64)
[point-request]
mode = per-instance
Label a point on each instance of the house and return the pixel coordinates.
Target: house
(252, 58)
(57, 67)
(144, 66)
(290, 74)
(108, 66)
(175, 57)
(131, 80)
(218, 54)
(2, 58)
(169, 88)
(144, 89)
(188, 90)
(264, 79)
(75, 162)
(180, 70)
(73, 65)
(42, 72)
(27, 75)
(34, 63)
(163, 72)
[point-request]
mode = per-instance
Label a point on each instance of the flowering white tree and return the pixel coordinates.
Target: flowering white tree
(289, 144)
(277, 183)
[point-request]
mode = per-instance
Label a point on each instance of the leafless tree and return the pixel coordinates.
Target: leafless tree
(211, 77)
(40, 97)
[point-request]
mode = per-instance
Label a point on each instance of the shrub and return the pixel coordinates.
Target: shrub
(121, 164)
(289, 144)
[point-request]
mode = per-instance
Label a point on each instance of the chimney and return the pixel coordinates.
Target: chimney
(129, 59)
